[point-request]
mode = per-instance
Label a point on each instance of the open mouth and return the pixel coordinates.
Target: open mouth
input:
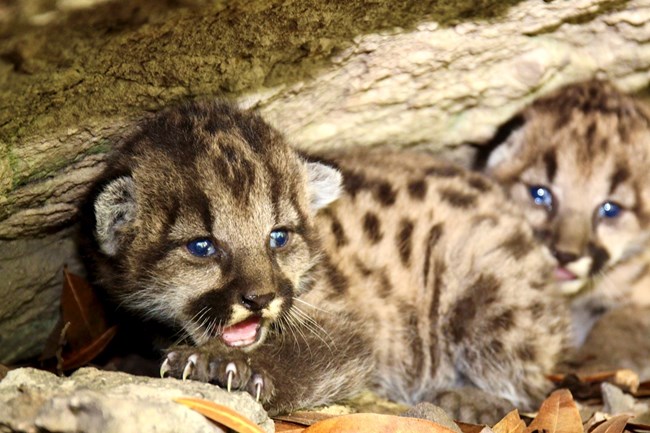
(243, 333)
(563, 274)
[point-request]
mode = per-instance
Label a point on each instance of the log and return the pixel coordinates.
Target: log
(432, 74)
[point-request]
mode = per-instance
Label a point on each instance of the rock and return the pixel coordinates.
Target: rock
(30, 289)
(432, 413)
(94, 401)
(616, 402)
(433, 74)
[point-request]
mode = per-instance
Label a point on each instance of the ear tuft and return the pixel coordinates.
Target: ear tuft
(323, 185)
(114, 209)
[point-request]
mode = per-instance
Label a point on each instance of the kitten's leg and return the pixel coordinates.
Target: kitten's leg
(508, 350)
(287, 372)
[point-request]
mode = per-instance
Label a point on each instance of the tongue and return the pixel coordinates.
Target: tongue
(242, 333)
(563, 274)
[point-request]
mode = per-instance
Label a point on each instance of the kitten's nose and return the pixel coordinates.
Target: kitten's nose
(564, 257)
(256, 302)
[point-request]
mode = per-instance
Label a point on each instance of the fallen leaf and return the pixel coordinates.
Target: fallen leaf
(305, 418)
(644, 390)
(3, 371)
(376, 423)
(613, 425)
(220, 414)
(588, 385)
(288, 427)
(640, 422)
(558, 414)
(83, 331)
(511, 423)
(84, 355)
(470, 428)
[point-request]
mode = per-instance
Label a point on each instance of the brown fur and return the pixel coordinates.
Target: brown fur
(589, 144)
(419, 278)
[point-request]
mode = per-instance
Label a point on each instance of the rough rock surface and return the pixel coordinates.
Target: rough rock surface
(413, 73)
(94, 401)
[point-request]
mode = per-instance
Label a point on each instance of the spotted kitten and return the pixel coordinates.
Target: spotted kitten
(578, 163)
(303, 279)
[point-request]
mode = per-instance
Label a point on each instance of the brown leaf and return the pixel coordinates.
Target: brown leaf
(558, 414)
(644, 390)
(220, 414)
(84, 355)
(376, 423)
(470, 428)
(83, 331)
(288, 427)
(3, 371)
(640, 422)
(511, 423)
(613, 425)
(588, 385)
(304, 418)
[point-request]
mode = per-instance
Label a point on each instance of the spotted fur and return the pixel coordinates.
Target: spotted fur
(588, 144)
(418, 278)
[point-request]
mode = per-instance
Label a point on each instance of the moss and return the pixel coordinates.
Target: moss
(121, 58)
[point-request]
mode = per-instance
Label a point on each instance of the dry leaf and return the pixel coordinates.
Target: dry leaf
(84, 355)
(83, 331)
(3, 371)
(558, 414)
(469, 428)
(376, 423)
(585, 386)
(305, 418)
(288, 427)
(613, 425)
(644, 390)
(220, 414)
(640, 422)
(511, 423)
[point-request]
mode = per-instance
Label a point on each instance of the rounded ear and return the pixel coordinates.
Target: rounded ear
(323, 184)
(502, 148)
(114, 209)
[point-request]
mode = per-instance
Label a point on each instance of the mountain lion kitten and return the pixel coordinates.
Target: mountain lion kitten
(578, 163)
(303, 279)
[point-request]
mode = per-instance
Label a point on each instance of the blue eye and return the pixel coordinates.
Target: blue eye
(609, 210)
(201, 247)
(278, 238)
(541, 196)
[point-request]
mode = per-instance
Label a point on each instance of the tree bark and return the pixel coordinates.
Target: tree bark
(326, 73)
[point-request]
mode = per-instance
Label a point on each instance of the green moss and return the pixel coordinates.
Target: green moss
(121, 58)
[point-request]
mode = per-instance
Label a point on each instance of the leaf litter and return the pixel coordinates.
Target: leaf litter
(84, 332)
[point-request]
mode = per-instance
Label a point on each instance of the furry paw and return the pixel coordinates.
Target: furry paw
(231, 370)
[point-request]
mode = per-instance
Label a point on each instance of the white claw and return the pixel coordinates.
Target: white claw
(164, 368)
(259, 383)
(231, 370)
(191, 362)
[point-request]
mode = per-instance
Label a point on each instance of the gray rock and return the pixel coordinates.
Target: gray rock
(616, 402)
(433, 413)
(94, 401)
(30, 289)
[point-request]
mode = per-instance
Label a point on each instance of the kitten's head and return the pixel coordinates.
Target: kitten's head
(204, 221)
(578, 163)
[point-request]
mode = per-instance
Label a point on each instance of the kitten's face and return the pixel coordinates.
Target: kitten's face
(213, 233)
(580, 173)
